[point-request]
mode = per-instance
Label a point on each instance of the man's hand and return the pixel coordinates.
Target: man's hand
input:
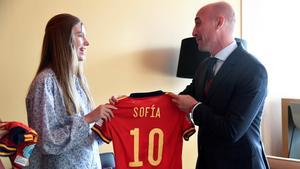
(184, 102)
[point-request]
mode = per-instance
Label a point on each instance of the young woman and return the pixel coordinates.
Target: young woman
(59, 104)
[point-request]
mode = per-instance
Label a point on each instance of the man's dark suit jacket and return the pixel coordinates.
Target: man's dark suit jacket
(229, 117)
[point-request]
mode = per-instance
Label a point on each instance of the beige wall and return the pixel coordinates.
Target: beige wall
(134, 47)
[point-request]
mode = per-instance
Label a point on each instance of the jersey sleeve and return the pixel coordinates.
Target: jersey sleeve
(102, 131)
(188, 128)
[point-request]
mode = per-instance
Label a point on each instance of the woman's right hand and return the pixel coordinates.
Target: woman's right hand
(103, 112)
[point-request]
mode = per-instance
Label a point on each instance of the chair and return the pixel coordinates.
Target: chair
(107, 160)
(283, 163)
(295, 111)
(294, 130)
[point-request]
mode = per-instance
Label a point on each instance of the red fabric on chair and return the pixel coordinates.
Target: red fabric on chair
(17, 142)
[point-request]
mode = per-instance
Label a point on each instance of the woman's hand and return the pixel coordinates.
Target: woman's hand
(114, 99)
(103, 112)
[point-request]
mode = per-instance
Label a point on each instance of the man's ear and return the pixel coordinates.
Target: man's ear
(220, 22)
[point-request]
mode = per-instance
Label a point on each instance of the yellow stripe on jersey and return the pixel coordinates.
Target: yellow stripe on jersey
(28, 137)
(6, 154)
(187, 133)
(98, 132)
(8, 148)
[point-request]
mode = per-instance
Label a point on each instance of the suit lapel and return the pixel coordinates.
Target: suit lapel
(225, 70)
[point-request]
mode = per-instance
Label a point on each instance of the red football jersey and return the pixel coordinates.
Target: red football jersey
(17, 142)
(147, 132)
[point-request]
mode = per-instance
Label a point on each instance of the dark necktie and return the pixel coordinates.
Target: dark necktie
(210, 74)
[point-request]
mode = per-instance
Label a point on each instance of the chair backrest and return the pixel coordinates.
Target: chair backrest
(294, 131)
(107, 160)
(295, 111)
(283, 163)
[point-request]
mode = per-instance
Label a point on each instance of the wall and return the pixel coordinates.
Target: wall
(272, 32)
(134, 47)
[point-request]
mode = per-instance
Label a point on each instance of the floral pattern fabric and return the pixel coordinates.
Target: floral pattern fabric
(65, 141)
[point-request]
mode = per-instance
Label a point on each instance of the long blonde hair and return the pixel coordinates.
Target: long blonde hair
(59, 54)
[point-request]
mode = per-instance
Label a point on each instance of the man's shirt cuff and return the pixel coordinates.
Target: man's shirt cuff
(192, 112)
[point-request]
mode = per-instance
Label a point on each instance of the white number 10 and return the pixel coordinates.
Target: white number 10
(136, 135)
